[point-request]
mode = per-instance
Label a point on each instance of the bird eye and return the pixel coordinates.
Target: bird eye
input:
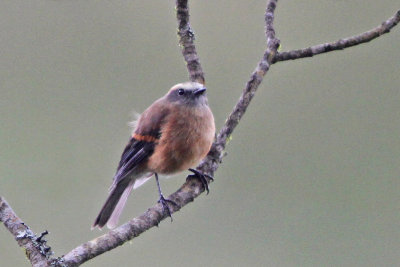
(181, 92)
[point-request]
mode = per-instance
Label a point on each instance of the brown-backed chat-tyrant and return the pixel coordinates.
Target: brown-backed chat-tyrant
(170, 136)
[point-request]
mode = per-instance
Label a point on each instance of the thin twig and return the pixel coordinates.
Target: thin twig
(341, 44)
(186, 41)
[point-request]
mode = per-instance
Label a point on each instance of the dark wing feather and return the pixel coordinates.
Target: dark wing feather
(135, 153)
(130, 150)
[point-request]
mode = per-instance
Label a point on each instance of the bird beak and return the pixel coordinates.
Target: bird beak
(199, 91)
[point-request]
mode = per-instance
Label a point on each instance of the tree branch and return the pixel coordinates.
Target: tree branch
(192, 188)
(35, 247)
(186, 41)
(216, 154)
(341, 44)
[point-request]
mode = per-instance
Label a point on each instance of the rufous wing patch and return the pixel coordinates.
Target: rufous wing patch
(146, 138)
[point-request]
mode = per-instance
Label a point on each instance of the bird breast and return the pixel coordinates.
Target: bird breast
(186, 138)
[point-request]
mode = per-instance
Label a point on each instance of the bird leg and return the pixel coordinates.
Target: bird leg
(164, 202)
(201, 177)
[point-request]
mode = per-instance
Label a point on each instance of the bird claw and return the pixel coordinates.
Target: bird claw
(201, 177)
(164, 203)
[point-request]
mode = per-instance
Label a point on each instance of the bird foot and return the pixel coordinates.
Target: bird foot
(164, 202)
(201, 177)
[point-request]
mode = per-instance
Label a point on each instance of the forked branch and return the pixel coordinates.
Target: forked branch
(37, 251)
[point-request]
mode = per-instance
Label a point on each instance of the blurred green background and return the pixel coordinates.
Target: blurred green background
(312, 172)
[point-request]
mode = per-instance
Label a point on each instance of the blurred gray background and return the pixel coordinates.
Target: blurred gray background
(312, 172)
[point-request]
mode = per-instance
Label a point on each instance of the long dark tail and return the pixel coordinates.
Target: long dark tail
(112, 208)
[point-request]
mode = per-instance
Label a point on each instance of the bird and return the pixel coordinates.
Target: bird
(172, 135)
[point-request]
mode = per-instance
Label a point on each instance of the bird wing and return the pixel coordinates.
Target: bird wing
(135, 153)
(143, 141)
